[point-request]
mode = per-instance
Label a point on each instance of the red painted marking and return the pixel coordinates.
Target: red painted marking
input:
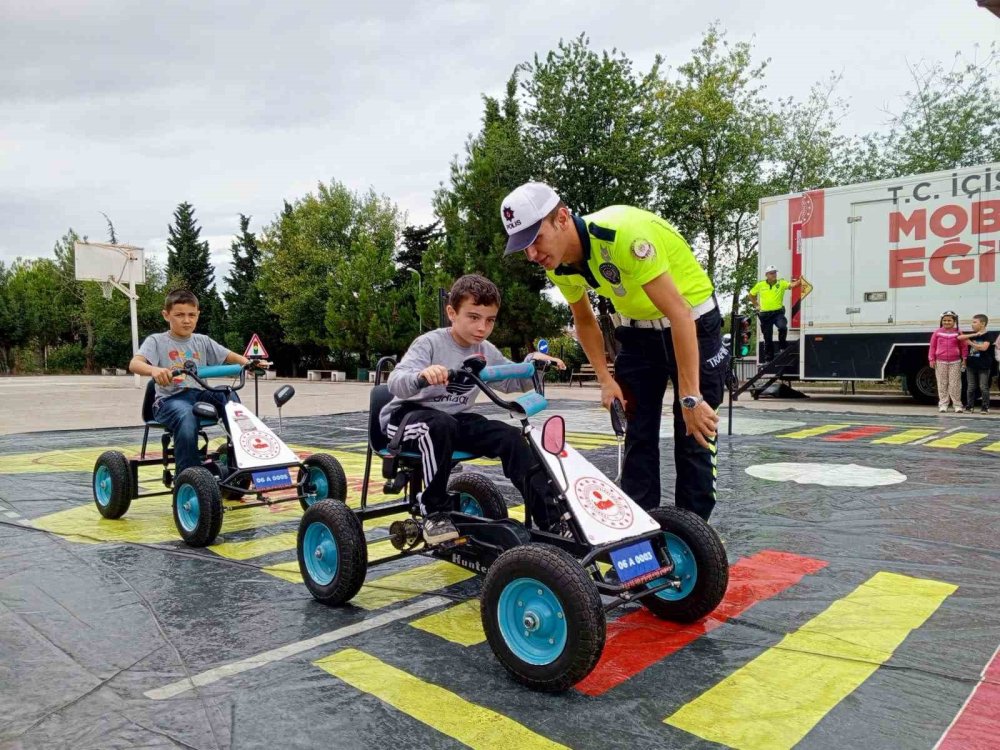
(855, 434)
(639, 640)
(977, 724)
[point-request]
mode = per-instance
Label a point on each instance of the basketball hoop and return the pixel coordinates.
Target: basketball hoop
(106, 289)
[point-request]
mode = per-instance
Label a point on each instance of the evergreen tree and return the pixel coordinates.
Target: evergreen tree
(246, 311)
(189, 265)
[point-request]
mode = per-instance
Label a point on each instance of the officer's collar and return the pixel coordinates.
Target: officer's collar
(564, 269)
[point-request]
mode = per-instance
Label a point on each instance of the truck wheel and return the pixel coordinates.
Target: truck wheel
(333, 555)
(112, 484)
(478, 496)
(700, 567)
(327, 476)
(922, 384)
(543, 617)
(197, 506)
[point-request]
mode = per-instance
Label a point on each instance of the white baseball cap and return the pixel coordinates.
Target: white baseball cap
(770, 269)
(522, 212)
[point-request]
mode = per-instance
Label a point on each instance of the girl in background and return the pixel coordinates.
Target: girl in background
(947, 355)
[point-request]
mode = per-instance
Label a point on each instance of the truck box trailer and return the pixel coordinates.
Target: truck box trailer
(884, 260)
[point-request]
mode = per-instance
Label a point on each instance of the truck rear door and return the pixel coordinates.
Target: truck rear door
(873, 303)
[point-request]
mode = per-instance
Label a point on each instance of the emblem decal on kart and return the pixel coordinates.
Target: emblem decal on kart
(603, 502)
(259, 444)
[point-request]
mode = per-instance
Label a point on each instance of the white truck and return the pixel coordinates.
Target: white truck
(884, 260)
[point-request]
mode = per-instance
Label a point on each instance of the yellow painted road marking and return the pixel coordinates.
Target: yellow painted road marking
(906, 436)
(813, 431)
(440, 709)
(957, 439)
(460, 624)
(256, 547)
(776, 699)
(993, 447)
(75, 459)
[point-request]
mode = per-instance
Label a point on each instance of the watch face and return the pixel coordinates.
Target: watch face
(689, 402)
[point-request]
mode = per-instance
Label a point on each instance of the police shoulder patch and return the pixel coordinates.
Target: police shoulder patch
(643, 249)
(610, 272)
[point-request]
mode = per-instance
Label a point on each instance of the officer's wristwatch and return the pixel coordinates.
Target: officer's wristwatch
(690, 402)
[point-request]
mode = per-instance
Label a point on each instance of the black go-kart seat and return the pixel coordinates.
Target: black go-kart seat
(150, 421)
(379, 442)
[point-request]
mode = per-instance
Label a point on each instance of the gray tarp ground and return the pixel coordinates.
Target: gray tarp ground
(87, 629)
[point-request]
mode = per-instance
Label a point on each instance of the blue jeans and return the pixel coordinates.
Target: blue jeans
(177, 415)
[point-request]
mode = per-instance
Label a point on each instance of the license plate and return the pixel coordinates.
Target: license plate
(635, 560)
(268, 480)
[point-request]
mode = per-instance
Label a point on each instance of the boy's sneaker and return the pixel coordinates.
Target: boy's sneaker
(438, 528)
(959, 410)
(984, 410)
(942, 409)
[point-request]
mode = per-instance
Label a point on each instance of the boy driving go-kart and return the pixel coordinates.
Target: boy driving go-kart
(163, 354)
(541, 604)
(431, 414)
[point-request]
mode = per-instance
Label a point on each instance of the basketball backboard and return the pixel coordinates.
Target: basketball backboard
(100, 262)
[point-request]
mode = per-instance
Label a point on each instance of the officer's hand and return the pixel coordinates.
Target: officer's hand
(161, 375)
(435, 375)
(609, 392)
(701, 422)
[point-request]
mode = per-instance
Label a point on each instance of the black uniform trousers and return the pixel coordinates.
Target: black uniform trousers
(436, 435)
(769, 320)
(642, 368)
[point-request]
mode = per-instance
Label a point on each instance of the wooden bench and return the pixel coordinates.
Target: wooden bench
(333, 375)
(587, 371)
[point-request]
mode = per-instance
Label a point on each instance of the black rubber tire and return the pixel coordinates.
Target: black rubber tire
(578, 596)
(352, 552)
(483, 490)
(120, 477)
(209, 522)
(921, 382)
(336, 480)
(710, 559)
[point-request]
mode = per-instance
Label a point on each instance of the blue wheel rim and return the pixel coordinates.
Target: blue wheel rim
(318, 479)
(188, 507)
(102, 485)
(532, 621)
(685, 569)
(319, 550)
(470, 506)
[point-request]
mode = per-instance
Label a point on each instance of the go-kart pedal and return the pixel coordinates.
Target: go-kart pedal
(438, 528)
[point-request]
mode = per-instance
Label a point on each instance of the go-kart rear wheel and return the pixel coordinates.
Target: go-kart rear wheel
(326, 476)
(197, 506)
(333, 555)
(700, 567)
(543, 617)
(478, 496)
(112, 484)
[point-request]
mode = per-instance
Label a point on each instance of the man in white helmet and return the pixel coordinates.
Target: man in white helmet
(768, 296)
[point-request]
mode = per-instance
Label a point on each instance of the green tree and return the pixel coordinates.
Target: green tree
(948, 120)
(13, 327)
(494, 163)
(588, 128)
(718, 132)
(35, 299)
(246, 311)
(189, 265)
(327, 273)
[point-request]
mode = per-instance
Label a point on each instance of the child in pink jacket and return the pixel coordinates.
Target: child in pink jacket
(947, 355)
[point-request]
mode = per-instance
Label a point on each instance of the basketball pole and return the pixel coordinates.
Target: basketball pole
(134, 315)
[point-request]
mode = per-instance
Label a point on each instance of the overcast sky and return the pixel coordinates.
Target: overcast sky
(132, 107)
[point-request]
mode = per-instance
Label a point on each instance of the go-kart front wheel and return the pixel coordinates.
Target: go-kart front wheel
(543, 617)
(701, 571)
(333, 555)
(478, 496)
(197, 506)
(112, 484)
(326, 480)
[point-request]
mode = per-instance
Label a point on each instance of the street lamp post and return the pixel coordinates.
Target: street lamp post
(420, 320)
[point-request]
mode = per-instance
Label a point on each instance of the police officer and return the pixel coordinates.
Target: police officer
(768, 296)
(667, 322)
